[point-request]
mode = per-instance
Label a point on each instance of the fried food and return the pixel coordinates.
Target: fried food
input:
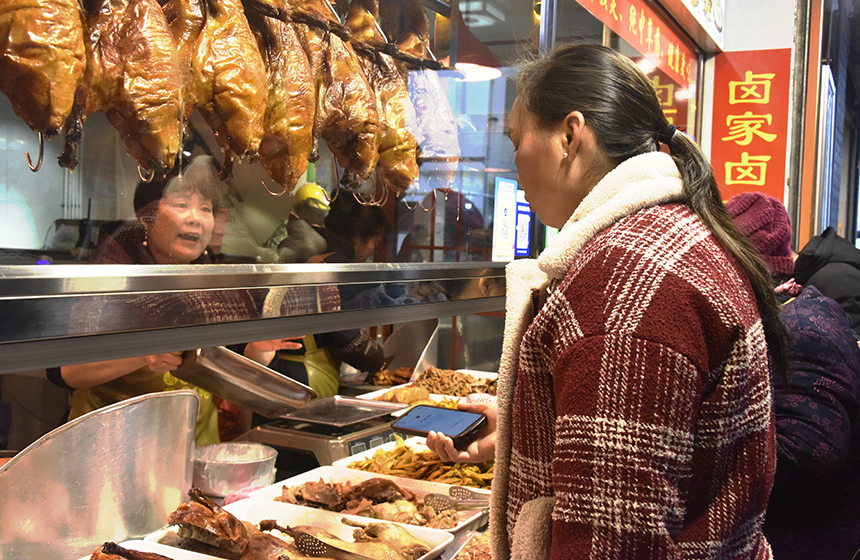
(478, 548)
(112, 551)
(387, 378)
(404, 461)
(203, 520)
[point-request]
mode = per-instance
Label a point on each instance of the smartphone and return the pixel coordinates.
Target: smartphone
(459, 425)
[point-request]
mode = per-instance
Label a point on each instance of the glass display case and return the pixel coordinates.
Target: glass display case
(442, 228)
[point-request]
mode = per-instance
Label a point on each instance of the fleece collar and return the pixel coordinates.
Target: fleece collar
(640, 182)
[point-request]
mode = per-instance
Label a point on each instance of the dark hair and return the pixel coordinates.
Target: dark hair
(621, 106)
(350, 218)
(199, 175)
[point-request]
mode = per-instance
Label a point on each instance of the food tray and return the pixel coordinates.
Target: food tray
(374, 394)
(468, 519)
(255, 511)
(149, 544)
(340, 411)
(416, 443)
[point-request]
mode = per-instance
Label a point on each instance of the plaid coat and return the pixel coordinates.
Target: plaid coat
(635, 415)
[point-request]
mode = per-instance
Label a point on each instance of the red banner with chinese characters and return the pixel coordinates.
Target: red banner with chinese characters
(637, 23)
(750, 125)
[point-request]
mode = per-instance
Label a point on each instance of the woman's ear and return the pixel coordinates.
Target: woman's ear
(572, 126)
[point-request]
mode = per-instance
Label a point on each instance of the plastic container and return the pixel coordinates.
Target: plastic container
(223, 468)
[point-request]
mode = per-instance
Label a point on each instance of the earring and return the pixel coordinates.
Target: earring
(564, 156)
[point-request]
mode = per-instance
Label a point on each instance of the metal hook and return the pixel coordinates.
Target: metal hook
(273, 193)
(38, 165)
(142, 173)
(432, 206)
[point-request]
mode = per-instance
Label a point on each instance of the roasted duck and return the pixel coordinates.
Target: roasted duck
(133, 77)
(288, 126)
(42, 60)
(346, 114)
(231, 89)
(406, 24)
(203, 520)
(398, 164)
(186, 19)
(112, 551)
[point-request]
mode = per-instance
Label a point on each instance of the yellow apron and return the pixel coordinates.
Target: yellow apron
(323, 370)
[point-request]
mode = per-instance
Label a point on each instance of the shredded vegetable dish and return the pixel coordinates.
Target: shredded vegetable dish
(404, 461)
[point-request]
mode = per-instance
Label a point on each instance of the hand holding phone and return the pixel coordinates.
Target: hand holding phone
(478, 451)
(459, 425)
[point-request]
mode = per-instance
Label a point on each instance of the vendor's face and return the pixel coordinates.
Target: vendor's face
(181, 229)
(546, 181)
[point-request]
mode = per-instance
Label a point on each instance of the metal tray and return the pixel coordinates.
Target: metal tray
(243, 381)
(340, 411)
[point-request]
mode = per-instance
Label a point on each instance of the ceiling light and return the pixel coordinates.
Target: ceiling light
(476, 72)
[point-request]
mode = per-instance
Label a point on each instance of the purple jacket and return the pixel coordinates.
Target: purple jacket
(814, 507)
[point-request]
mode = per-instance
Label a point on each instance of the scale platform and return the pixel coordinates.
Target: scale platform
(325, 431)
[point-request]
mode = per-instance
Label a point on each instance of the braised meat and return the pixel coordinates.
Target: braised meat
(264, 546)
(380, 490)
(133, 77)
(42, 60)
(203, 520)
(288, 126)
(112, 551)
(231, 83)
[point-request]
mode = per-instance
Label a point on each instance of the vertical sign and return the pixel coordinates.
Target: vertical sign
(504, 219)
(523, 242)
(750, 122)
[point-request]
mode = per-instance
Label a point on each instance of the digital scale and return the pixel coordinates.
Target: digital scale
(325, 431)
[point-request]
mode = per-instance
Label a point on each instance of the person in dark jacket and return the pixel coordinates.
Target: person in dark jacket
(832, 264)
(814, 506)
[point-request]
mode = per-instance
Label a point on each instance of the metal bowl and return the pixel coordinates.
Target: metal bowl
(223, 468)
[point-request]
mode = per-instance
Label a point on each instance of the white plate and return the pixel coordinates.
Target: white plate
(290, 514)
(150, 545)
(374, 394)
(468, 519)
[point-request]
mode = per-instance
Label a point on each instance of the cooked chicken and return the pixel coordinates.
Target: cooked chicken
(133, 77)
(42, 60)
(231, 88)
(398, 164)
(112, 551)
(203, 520)
(288, 126)
(346, 114)
(393, 536)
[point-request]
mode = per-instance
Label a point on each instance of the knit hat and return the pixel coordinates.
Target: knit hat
(764, 221)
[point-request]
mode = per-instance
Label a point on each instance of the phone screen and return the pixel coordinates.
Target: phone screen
(451, 422)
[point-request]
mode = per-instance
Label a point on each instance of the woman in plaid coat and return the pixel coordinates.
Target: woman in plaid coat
(634, 402)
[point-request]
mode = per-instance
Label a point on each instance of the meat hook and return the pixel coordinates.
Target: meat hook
(145, 176)
(273, 193)
(432, 206)
(38, 165)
